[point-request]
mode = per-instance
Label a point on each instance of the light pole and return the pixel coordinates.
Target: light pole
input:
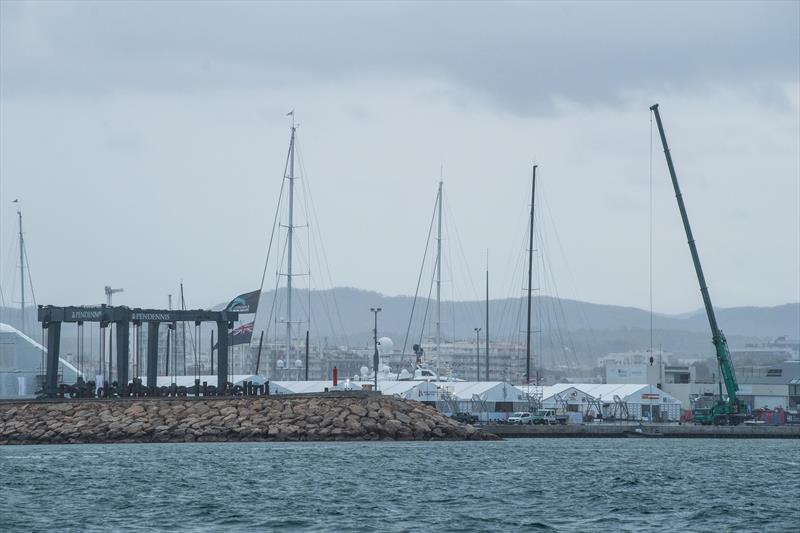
(478, 354)
(375, 311)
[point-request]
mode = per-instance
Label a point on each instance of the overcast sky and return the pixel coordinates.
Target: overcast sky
(146, 143)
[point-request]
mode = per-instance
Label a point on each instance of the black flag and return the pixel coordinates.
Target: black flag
(244, 303)
(241, 335)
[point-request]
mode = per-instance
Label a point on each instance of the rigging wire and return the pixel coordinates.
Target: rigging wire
(311, 242)
(557, 306)
(651, 235)
(314, 245)
(452, 230)
(274, 301)
(416, 291)
(324, 261)
(450, 283)
(427, 308)
(13, 270)
(10, 267)
(275, 221)
(275, 226)
(580, 306)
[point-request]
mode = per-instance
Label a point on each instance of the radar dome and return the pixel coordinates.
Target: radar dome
(385, 345)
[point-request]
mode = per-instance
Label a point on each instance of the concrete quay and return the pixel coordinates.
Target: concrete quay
(685, 431)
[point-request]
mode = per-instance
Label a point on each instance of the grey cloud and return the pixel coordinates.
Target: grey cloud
(521, 56)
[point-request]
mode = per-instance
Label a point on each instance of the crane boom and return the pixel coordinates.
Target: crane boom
(720, 343)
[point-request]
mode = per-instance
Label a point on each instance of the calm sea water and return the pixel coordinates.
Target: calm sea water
(530, 484)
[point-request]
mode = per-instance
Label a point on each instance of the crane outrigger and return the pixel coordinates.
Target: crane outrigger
(724, 411)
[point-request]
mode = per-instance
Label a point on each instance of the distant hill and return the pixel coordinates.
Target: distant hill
(566, 330)
(586, 328)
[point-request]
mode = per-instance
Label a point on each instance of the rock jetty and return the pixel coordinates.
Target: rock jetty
(327, 417)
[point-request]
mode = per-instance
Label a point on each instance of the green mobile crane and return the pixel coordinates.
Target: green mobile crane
(723, 411)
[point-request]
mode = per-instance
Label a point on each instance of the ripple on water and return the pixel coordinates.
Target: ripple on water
(518, 485)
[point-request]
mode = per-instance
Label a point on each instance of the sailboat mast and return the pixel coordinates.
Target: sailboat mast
(290, 230)
(486, 369)
(21, 273)
(439, 273)
(183, 332)
(530, 282)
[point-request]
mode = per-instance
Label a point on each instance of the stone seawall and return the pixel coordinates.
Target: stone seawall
(278, 418)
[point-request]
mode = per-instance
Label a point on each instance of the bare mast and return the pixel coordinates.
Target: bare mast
(290, 234)
(439, 275)
(530, 282)
(21, 273)
(183, 332)
(486, 370)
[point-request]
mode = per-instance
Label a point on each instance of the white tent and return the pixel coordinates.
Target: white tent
(303, 387)
(644, 401)
(492, 400)
(188, 381)
(21, 361)
(422, 391)
(490, 391)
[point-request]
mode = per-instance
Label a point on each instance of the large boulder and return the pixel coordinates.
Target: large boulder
(337, 416)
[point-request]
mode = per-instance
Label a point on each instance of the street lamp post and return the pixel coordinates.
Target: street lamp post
(478, 354)
(375, 311)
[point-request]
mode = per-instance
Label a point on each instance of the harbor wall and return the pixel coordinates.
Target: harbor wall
(318, 417)
(645, 431)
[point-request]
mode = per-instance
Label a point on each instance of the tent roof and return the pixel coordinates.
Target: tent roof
(300, 387)
(606, 391)
(493, 390)
(6, 328)
(403, 387)
(387, 387)
(188, 381)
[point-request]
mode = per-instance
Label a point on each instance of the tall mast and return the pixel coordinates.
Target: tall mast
(290, 230)
(183, 332)
(439, 273)
(21, 272)
(486, 369)
(530, 283)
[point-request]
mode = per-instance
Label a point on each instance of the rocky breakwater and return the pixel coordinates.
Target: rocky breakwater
(285, 418)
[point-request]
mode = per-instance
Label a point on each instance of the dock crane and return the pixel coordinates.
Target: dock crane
(724, 411)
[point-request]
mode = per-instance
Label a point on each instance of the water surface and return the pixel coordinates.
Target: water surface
(515, 485)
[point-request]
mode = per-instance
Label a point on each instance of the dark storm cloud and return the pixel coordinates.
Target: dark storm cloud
(522, 56)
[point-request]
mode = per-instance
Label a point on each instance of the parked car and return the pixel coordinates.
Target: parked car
(548, 416)
(520, 417)
(465, 418)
